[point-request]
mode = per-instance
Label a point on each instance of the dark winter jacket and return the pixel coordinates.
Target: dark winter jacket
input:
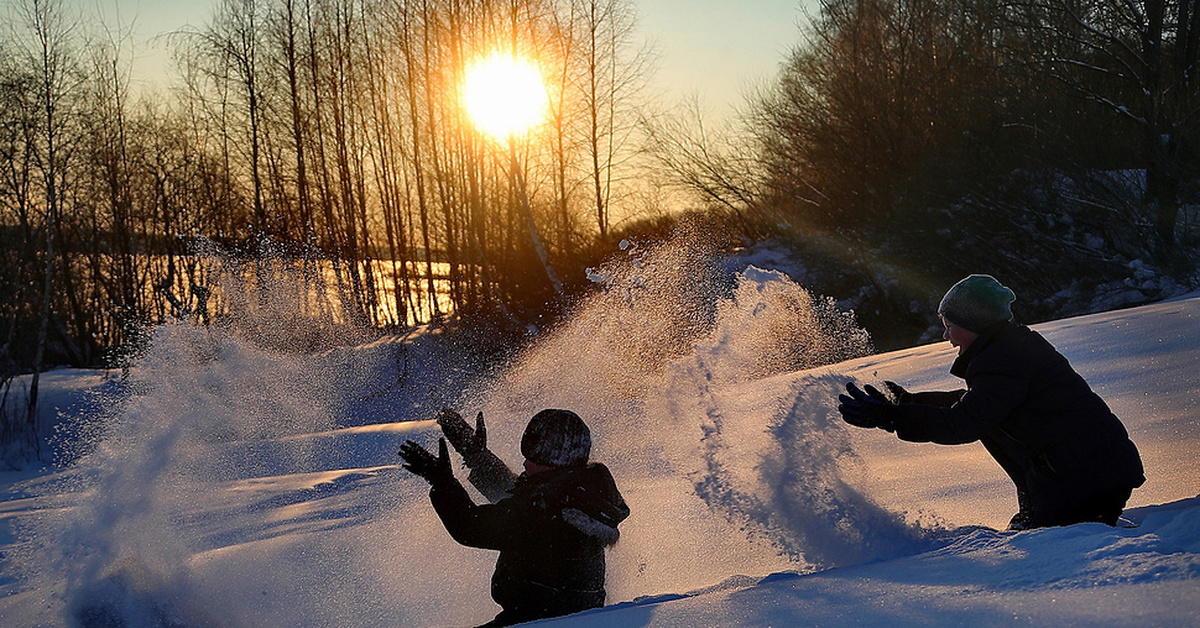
(1054, 436)
(551, 532)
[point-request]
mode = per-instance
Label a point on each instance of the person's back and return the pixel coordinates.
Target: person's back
(552, 533)
(1059, 413)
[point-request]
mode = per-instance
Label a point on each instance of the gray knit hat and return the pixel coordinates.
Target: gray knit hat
(977, 302)
(557, 438)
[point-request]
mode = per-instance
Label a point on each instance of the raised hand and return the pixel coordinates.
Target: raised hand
(435, 470)
(466, 441)
(454, 427)
(479, 440)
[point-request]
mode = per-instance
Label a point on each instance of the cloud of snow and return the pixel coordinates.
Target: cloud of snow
(125, 549)
(204, 498)
(667, 364)
(221, 493)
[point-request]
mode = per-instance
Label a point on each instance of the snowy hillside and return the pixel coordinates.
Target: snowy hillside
(220, 489)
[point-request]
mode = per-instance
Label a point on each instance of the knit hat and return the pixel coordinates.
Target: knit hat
(977, 302)
(557, 438)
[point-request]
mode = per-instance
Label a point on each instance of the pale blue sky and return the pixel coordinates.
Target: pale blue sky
(713, 49)
(717, 49)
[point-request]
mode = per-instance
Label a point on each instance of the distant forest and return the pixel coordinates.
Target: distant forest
(903, 144)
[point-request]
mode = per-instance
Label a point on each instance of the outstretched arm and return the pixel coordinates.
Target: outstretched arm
(870, 408)
(486, 526)
(969, 416)
(940, 399)
(931, 398)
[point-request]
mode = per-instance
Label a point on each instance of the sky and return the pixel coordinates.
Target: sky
(714, 50)
(718, 49)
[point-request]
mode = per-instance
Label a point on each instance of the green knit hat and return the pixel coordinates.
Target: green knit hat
(977, 302)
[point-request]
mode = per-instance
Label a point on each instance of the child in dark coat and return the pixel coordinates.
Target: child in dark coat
(1069, 456)
(551, 524)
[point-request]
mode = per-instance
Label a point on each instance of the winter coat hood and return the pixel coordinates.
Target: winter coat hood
(586, 497)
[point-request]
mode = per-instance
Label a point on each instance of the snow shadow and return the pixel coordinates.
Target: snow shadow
(800, 498)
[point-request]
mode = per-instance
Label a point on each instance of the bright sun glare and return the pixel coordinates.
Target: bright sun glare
(504, 95)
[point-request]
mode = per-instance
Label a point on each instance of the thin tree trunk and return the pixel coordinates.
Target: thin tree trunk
(518, 182)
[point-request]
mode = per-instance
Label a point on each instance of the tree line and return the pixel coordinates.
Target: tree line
(326, 131)
(903, 144)
(906, 143)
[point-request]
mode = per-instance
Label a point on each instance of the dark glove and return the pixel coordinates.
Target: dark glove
(898, 392)
(466, 441)
(435, 470)
(874, 393)
(866, 409)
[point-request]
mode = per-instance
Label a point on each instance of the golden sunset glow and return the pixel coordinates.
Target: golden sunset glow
(504, 95)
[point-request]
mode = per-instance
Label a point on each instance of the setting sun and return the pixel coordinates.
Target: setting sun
(504, 95)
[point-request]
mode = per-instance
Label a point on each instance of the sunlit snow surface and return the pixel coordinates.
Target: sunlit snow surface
(222, 492)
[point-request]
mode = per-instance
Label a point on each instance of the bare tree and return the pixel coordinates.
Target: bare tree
(18, 113)
(110, 155)
(1140, 59)
(614, 74)
(51, 60)
(233, 40)
(712, 165)
(883, 98)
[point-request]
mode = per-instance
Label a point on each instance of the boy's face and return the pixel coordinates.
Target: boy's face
(533, 468)
(958, 336)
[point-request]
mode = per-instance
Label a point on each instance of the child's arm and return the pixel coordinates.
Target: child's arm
(490, 476)
(940, 399)
(488, 473)
(476, 526)
(484, 526)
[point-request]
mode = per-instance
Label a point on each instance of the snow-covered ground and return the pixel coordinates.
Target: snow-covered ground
(221, 488)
